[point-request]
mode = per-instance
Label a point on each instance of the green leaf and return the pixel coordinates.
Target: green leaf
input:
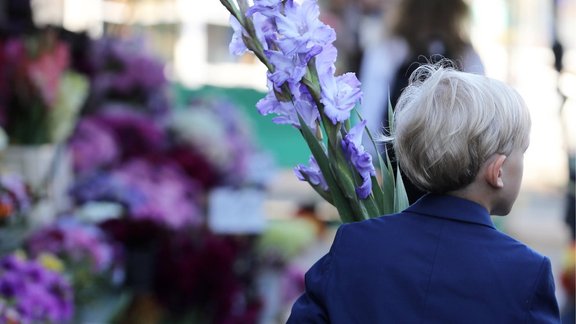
(338, 199)
(383, 193)
(401, 201)
(388, 186)
(400, 197)
(323, 193)
(378, 196)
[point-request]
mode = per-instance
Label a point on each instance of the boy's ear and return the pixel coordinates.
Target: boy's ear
(493, 173)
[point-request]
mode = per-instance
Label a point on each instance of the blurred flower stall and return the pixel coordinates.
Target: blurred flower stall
(161, 217)
(41, 94)
(144, 235)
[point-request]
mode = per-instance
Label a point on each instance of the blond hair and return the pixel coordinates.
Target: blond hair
(448, 123)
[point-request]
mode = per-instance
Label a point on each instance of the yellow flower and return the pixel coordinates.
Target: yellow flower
(50, 261)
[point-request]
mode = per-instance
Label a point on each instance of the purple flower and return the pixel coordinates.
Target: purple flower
(74, 241)
(288, 68)
(168, 195)
(287, 111)
(339, 96)
(311, 173)
(127, 65)
(104, 186)
(266, 7)
(237, 46)
(135, 133)
(124, 70)
(93, 146)
(325, 61)
(301, 30)
(36, 294)
(359, 158)
(263, 26)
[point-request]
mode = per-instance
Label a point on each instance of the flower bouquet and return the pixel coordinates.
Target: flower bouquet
(84, 250)
(41, 93)
(125, 70)
(32, 292)
(296, 47)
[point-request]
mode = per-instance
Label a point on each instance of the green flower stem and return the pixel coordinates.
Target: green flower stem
(231, 7)
(338, 199)
(247, 24)
(324, 194)
(350, 179)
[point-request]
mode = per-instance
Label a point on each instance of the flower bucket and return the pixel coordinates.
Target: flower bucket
(46, 169)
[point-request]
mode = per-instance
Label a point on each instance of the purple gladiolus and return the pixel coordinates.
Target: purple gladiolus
(301, 29)
(263, 26)
(339, 95)
(287, 111)
(311, 173)
(288, 68)
(266, 7)
(237, 46)
(359, 158)
(325, 61)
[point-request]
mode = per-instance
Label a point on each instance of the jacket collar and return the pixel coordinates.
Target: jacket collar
(450, 207)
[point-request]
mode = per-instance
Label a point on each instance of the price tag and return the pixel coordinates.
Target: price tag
(236, 211)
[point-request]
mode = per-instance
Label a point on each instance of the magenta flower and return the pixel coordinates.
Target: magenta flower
(93, 146)
(135, 133)
(359, 158)
(167, 195)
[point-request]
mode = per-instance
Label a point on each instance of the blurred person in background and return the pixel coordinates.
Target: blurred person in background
(419, 31)
(358, 24)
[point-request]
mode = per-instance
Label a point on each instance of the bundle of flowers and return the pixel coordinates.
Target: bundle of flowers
(92, 146)
(125, 70)
(74, 242)
(41, 94)
(147, 189)
(84, 248)
(168, 196)
(159, 171)
(114, 135)
(124, 156)
(218, 130)
(296, 48)
(30, 292)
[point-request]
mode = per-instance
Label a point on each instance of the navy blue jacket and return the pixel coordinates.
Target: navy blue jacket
(439, 261)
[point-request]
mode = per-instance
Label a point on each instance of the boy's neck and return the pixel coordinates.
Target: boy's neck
(474, 193)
